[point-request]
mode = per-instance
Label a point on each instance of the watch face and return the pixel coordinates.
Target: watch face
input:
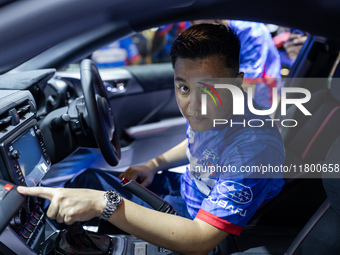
(113, 197)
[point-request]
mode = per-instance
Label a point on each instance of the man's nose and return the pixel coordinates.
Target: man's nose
(195, 102)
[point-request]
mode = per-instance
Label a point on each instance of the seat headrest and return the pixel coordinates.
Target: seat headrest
(335, 84)
(331, 180)
(335, 88)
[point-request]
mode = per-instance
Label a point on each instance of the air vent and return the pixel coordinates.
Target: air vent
(5, 121)
(16, 115)
(23, 108)
(16, 108)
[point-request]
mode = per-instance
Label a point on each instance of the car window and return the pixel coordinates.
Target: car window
(153, 46)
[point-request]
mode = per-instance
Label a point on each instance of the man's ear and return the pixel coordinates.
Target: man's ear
(239, 79)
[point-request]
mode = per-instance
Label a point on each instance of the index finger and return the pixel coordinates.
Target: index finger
(42, 192)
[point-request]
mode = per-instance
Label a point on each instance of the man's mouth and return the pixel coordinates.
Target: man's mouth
(197, 118)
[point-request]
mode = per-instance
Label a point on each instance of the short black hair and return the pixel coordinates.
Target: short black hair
(205, 40)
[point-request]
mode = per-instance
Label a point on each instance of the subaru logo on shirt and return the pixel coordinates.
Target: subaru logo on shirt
(236, 192)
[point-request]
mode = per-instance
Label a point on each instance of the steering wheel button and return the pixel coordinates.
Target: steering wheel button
(34, 221)
(8, 187)
(30, 227)
(163, 250)
(36, 215)
(140, 249)
(25, 234)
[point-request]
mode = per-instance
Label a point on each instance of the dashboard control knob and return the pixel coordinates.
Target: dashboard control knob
(38, 132)
(18, 220)
(60, 121)
(15, 154)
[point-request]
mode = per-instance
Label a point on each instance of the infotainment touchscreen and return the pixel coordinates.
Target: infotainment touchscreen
(32, 163)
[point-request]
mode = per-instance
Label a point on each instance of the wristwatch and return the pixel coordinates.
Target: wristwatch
(113, 200)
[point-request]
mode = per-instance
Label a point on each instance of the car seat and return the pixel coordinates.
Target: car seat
(310, 140)
(321, 234)
(308, 143)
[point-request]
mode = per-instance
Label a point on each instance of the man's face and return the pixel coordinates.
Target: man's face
(190, 77)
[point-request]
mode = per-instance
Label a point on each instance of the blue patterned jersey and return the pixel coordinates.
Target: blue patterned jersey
(259, 59)
(228, 199)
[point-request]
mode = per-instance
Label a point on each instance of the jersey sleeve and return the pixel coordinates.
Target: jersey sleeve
(232, 203)
(254, 49)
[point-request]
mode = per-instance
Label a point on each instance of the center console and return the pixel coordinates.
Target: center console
(23, 161)
(24, 227)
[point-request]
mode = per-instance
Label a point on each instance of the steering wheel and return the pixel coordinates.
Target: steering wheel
(100, 115)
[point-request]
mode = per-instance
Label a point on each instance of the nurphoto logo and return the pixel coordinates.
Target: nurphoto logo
(238, 103)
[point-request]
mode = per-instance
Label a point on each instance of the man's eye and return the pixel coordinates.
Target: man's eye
(184, 89)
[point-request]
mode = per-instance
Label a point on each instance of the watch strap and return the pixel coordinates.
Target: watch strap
(113, 200)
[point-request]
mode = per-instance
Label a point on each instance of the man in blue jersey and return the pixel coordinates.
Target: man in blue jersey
(216, 203)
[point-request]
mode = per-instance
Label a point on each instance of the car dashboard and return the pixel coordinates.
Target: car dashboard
(25, 160)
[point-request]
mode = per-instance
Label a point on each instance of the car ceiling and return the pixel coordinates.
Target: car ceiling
(30, 27)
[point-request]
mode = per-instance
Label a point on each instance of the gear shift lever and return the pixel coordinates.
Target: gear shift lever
(78, 241)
